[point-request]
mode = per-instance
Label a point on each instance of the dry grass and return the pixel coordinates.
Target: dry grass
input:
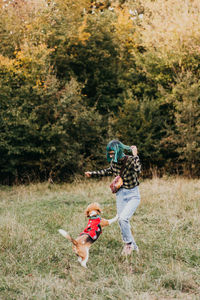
(37, 263)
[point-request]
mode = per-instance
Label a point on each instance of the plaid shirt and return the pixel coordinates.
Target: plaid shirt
(130, 174)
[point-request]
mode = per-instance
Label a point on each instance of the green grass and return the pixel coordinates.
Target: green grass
(36, 262)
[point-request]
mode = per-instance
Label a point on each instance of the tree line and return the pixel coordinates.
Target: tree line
(75, 74)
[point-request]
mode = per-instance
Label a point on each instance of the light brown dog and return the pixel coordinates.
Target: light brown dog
(83, 242)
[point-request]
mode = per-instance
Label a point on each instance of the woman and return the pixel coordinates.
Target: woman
(128, 196)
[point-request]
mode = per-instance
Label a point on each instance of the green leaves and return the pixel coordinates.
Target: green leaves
(74, 76)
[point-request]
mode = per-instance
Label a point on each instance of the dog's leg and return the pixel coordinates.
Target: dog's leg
(83, 253)
(84, 261)
(105, 222)
(113, 220)
(79, 259)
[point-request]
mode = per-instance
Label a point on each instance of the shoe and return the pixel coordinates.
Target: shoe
(128, 248)
(136, 249)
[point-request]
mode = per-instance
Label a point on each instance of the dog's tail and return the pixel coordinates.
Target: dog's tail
(67, 236)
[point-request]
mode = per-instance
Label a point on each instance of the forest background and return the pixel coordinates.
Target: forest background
(75, 74)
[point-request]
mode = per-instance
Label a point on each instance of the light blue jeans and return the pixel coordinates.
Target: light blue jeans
(127, 202)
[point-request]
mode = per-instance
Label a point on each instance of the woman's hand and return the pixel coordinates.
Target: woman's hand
(88, 174)
(134, 150)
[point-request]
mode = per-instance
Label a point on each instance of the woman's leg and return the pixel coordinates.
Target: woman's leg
(127, 202)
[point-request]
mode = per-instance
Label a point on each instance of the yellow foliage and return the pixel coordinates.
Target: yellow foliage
(124, 28)
(171, 26)
(27, 62)
(6, 62)
(83, 36)
(123, 20)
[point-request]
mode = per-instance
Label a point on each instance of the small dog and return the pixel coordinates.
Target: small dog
(83, 242)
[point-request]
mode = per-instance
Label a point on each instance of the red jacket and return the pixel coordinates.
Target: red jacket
(93, 228)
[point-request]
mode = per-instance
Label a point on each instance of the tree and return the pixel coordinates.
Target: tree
(44, 125)
(184, 137)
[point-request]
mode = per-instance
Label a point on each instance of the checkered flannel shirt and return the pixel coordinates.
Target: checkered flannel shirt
(130, 174)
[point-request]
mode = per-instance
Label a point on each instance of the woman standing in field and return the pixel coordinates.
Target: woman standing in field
(128, 196)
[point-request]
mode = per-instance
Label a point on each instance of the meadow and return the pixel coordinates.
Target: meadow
(36, 262)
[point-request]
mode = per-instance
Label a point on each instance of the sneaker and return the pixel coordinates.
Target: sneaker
(136, 249)
(128, 248)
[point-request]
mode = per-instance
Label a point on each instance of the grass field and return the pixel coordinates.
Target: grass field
(36, 262)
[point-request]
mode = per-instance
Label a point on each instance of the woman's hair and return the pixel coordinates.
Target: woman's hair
(118, 148)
